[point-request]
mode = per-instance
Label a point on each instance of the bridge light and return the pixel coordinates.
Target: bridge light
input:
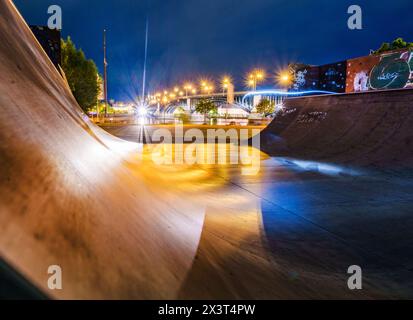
(255, 77)
(176, 89)
(284, 78)
(225, 83)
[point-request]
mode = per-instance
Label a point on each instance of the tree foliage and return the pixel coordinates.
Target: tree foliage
(397, 44)
(205, 106)
(180, 114)
(81, 74)
(266, 107)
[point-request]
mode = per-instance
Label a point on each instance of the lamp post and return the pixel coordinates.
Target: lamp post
(285, 78)
(207, 87)
(105, 74)
(226, 82)
(188, 87)
(254, 78)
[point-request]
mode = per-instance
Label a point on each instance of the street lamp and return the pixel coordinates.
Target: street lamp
(225, 83)
(206, 86)
(187, 88)
(254, 78)
(284, 78)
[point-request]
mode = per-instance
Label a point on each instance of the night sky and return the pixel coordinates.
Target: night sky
(190, 39)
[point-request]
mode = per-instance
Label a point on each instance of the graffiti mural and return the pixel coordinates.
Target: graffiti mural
(306, 78)
(361, 81)
(333, 77)
(380, 72)
(393, 72)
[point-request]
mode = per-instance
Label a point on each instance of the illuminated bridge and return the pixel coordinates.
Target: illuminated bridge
(243, 100)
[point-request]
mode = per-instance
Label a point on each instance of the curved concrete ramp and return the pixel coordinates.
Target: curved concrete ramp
(369, 129)
(121, 226)
(67, 196)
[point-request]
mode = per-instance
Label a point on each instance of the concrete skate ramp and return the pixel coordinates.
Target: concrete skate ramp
(368, 129)
(67, 196)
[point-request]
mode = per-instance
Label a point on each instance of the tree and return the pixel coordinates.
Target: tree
(398, 43)
(181, 115)
(205, 106)
(81, 74)
(266, 107)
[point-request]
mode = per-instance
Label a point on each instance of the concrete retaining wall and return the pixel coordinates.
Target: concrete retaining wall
(374, 128)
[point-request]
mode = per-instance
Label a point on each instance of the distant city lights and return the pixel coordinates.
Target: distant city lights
(205, 86)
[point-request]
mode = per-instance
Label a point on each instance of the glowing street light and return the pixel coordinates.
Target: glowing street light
(225, 83)
(208, 89)
(255, 77)
(206, 86)
(142, 112)
(284, 78)
(187, 88)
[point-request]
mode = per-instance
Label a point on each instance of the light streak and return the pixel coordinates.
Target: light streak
(284, 93)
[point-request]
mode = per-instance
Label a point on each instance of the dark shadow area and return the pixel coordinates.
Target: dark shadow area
(13, 286)
(321, 226)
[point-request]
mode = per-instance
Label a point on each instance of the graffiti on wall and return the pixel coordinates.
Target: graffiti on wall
(329, 77)
(386, 71)
(361, 81)
(300, 79)
(306, 78)
(333, 77)
(393, 70)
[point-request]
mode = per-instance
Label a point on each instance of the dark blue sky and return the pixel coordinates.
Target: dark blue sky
(194, 38)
